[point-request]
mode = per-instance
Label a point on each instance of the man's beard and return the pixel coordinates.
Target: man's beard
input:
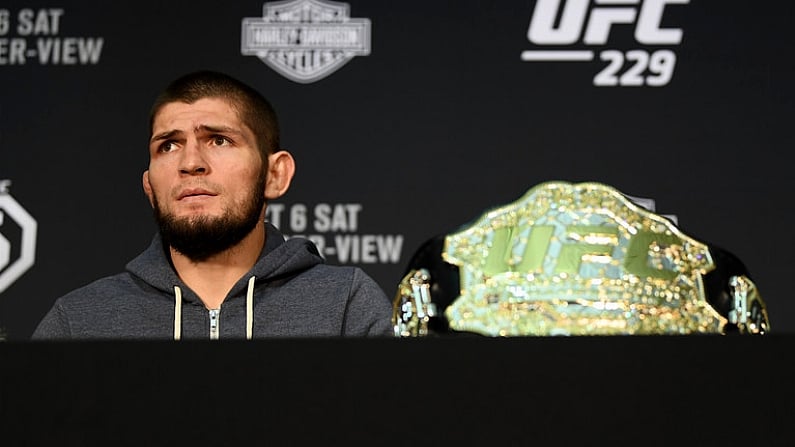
(199, 238)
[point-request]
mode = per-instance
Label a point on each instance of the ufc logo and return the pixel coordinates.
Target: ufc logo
(530, 250)
(575, 23)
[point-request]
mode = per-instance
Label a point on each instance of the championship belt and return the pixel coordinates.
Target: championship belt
(575, 259)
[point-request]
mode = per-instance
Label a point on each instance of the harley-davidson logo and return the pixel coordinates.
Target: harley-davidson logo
(305, 40)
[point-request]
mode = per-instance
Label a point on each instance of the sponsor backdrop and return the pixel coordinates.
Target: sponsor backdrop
(407, 119)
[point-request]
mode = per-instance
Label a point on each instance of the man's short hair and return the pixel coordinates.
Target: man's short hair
(253, 109)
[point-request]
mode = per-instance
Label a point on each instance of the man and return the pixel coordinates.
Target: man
(216, 269)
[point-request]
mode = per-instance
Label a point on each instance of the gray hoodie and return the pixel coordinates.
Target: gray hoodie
(289, 292)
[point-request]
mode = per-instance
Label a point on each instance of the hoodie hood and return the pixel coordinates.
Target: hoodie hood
(279, 258)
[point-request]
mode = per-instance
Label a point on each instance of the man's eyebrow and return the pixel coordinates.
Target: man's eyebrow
(164, 135)
(216, 129)
(200, 128)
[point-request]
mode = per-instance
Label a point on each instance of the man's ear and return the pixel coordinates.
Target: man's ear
(281, 168)
(147, 187)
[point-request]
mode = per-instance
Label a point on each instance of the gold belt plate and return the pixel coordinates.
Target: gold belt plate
(578, 259)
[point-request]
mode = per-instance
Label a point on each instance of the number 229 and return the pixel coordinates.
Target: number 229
(660, 66)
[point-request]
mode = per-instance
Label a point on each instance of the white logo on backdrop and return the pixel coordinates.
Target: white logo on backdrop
(10, 209)
(569, 35)
(305, 40)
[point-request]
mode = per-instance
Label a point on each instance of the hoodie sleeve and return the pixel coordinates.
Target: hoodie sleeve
(369, 311)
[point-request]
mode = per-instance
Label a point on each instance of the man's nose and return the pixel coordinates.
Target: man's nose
(192, 161)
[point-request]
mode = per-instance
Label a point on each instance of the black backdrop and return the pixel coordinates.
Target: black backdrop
(441, 120)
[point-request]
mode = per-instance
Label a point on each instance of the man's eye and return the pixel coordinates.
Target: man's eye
(167, 146)
(219, 140)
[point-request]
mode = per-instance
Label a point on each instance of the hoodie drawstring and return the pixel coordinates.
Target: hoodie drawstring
(249, 310)
(177, 313)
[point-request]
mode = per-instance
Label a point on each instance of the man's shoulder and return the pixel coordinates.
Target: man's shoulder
(353, 278)
(347, 272)
(107, 286)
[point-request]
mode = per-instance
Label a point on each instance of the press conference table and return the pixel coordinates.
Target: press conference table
(637, 390)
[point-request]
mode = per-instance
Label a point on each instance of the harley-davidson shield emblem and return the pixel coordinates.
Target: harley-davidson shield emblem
(305, 40)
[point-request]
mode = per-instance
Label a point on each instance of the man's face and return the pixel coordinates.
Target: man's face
(205, 178)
